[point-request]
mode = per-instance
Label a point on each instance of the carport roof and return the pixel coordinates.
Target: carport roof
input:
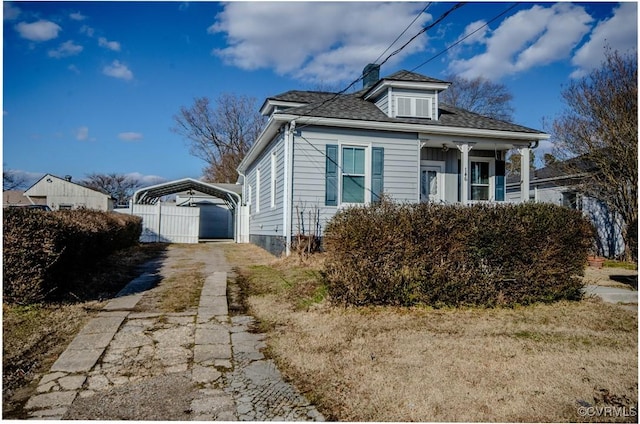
(230, 193)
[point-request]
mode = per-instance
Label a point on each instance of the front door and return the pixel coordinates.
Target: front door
(431, 182)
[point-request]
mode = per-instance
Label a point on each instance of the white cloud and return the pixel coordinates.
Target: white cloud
(146, 180)
(38, 31)
(86, 29)
(529, 38)
(118, 70)
(74, 69)
(477, 37)
(77, 16)
(111, 45)
(130, 136)
(315, 41)
(66, 49)
(620, 32)
(82, 134)
(9, 11)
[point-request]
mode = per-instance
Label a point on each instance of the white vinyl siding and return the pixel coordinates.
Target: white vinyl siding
(309, 166)
(273, 179)
(269, 219)
(258, 190)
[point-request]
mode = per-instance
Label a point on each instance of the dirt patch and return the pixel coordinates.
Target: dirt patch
(140, 401)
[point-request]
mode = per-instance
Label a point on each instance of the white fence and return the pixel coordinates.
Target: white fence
(167, 223)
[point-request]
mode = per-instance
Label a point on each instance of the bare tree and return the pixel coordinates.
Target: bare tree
(600, 127)
(11, 180)
(549, 159)
(512, 165)
(220, 134)
(479, 95)
(119, 186)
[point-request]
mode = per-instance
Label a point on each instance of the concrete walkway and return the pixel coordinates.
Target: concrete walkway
(612, 294)
(194, 365)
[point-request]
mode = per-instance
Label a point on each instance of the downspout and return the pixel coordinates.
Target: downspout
(238, 214)
(288, 184)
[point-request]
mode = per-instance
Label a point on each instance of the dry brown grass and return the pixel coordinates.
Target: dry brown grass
(182, 292)
(416, 364)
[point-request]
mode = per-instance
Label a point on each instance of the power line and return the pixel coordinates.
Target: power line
(361, 77)
(465, 37)
(405, 30)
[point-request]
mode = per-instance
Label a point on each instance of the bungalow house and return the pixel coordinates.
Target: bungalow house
(559, 184)
(59, 193)
(322, 152)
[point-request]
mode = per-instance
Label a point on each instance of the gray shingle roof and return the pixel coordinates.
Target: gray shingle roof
(412, 76)
(353, 106)
(298, 96)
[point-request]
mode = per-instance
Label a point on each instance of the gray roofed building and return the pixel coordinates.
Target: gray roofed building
(328, 151)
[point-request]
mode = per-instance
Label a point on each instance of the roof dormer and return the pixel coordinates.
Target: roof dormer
(406, 94)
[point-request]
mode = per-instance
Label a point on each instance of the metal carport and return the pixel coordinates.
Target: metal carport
(229, 193)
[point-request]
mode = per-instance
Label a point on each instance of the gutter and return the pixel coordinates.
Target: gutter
(405, 127)
(550, 179)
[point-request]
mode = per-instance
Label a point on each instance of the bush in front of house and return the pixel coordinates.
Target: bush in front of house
(453, 255)
(42, 249)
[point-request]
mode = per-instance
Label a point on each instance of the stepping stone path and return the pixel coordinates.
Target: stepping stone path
(195, 365)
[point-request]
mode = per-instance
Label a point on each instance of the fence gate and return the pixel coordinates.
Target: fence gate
(167, 223)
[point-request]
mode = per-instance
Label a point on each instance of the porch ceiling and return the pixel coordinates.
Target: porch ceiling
(478, 145)
(229, 193)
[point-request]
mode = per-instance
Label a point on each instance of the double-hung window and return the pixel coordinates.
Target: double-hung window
(480, 187)
(353, 175)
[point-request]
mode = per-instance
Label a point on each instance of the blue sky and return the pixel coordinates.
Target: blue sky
(93, 86)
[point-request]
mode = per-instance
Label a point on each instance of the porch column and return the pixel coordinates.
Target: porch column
(464, 172)
(524, 173)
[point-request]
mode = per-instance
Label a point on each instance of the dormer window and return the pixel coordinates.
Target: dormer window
(414, 107)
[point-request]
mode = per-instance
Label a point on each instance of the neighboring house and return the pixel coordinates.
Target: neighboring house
(559, 184)
(320, 152)
(60, 193)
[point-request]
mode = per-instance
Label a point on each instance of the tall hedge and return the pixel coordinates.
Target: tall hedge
(453, 255)
(42, 249)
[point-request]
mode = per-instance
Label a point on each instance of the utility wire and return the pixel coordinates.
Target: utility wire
(465, 37)
(405, 30)
(360, 78)
(422, 64)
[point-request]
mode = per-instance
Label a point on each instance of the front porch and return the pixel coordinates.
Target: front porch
(469, 172)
